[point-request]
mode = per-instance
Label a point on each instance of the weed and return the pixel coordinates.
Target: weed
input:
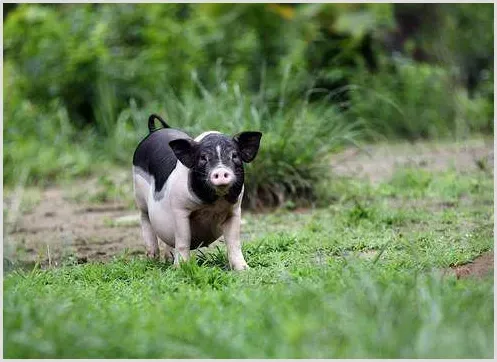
(217, 258)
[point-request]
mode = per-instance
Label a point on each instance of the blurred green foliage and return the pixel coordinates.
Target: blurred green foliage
(81, 79)
(419, 101)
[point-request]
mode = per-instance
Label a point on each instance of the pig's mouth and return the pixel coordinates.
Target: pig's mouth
(221, 179)
(221, 190)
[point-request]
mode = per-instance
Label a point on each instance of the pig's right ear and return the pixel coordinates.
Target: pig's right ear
(249, 144)
(184, 150)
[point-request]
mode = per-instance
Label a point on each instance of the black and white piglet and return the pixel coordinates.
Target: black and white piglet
(189, 191)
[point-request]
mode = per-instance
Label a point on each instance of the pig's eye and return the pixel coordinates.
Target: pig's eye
(234, 156)
(203, 157)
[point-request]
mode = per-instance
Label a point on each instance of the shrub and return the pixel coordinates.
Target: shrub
(67, 51)
(296, 136)
(414, 101)
(291, 163)
(143, 50)
(82, 79)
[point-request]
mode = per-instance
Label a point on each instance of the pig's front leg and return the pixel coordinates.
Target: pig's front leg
(168, 253)
(231, 231)
(182, 235)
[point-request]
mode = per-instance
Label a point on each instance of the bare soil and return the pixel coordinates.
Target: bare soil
(478, 268)
(59, 228)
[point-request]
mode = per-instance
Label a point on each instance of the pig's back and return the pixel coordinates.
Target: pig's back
(154, 156)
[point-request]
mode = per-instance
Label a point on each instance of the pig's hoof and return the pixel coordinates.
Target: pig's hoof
(169, 256)
(153, 254)
(240, 266)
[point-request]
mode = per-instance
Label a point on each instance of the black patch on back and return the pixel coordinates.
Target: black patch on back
(154, 156)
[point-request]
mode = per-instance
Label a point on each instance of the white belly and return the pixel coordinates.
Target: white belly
(205, 220)
(161, 218)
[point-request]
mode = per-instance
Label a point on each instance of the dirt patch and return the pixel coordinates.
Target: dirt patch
(59, 228)
(481, 267)
(379, 162)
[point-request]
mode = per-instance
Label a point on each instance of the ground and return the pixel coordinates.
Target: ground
(73, 222)
(393, 262)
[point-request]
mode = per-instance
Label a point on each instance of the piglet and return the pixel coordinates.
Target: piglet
(189, 191)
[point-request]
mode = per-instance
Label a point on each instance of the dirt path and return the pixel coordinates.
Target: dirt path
(58, 228)
(378, 162)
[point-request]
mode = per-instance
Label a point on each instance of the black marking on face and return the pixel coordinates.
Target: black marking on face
(212, 151)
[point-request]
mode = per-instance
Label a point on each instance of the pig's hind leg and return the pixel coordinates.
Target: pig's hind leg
(149, 236)
(141, 188)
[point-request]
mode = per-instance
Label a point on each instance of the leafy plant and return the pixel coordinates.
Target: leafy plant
(297, 136)
(413, 102)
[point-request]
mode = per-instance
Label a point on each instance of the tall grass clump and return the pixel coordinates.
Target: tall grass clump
(416, 101)
(40, 141)
(43, 142)
(297, 135)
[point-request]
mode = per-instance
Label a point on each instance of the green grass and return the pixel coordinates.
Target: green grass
(358, 278)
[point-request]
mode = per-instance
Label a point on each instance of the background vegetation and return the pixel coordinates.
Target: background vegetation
(80, 81)
(376, 271)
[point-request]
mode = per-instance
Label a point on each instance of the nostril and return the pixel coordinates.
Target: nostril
(216, 175)
(225, 175)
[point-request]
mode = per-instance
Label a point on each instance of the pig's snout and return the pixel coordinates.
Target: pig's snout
(222, 177)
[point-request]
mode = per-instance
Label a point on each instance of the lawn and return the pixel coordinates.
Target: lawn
(369, 276)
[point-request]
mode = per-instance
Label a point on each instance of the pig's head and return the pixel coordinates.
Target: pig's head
(216, 162)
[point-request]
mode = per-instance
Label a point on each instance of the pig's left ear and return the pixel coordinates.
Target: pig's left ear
(184, 150)
(248, 143)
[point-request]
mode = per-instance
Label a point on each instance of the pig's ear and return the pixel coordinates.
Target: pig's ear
(184, 150)
(248, 143)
